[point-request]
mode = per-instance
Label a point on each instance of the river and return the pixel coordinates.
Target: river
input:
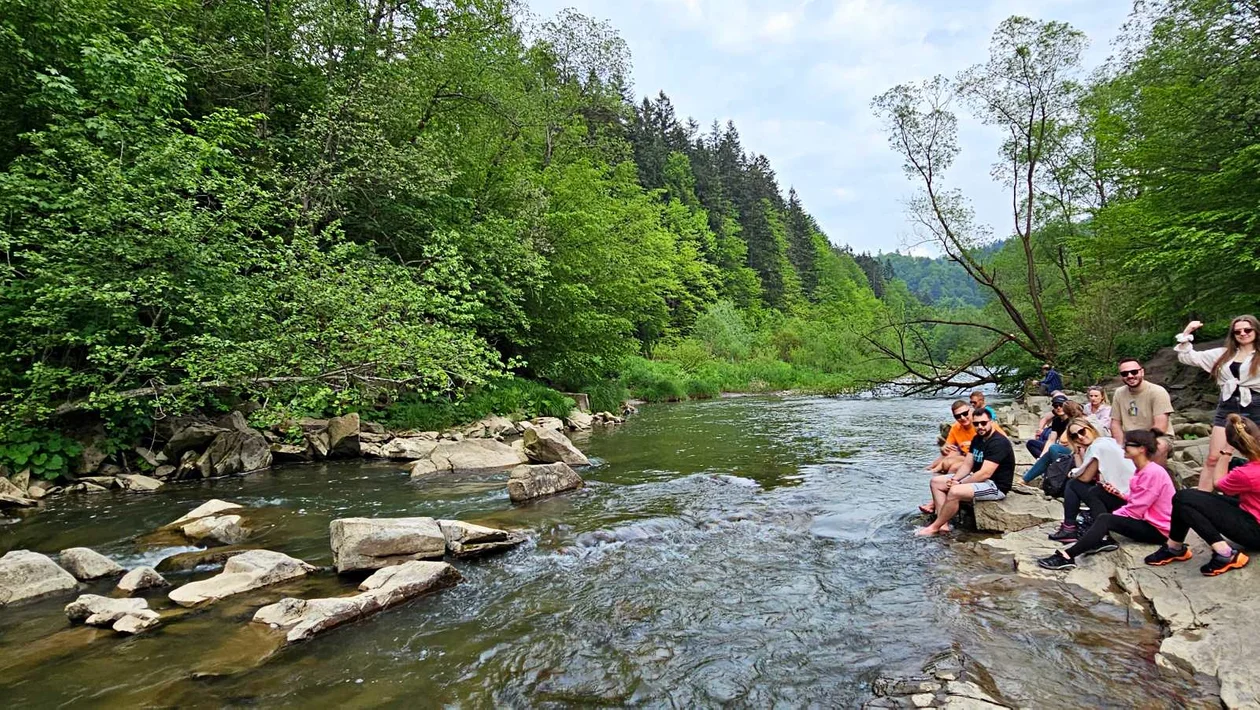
(750, 551)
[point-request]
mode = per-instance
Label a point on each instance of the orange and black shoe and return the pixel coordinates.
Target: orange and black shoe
(1221, 565)
(1164, 555)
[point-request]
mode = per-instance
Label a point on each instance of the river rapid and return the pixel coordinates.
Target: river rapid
(747, 552)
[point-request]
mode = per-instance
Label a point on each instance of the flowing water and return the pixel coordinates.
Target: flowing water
(751, 552)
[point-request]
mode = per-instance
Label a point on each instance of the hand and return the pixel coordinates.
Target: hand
(1192, 326)
(951, 449)
(950, 483)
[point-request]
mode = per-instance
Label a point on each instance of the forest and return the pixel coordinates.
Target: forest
(427, 211)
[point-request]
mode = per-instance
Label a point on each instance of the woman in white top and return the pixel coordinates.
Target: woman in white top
(1236, 369)
(1098, 409)
(1100, 479)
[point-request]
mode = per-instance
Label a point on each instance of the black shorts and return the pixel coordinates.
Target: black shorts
(1231, 406)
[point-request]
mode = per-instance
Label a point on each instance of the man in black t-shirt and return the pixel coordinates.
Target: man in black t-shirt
(986, 475)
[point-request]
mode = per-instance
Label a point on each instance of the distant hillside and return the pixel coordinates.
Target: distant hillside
(935, 280)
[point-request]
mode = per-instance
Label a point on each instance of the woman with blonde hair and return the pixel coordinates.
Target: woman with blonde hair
(1236, 370)
(1100, 479)
(1234, 515)
(1098, 409)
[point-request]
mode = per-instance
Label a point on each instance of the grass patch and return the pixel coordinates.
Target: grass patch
(513, 397)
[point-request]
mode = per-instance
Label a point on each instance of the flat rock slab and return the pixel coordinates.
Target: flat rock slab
(373, 543)
(26, 575)
(1212, 623)
(304, 618)
(1016, 512)
(475, 455)
(246, 571)
(529, 482)
(85, 563)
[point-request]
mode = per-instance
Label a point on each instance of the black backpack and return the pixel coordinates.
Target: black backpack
(1055, 478)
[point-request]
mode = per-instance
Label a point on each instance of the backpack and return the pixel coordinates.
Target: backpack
(1055, 478)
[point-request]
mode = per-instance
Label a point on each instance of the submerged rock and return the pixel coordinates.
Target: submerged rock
(465, 540)
(373, 543)
(85, 563)
(141, 578)
(527, 482)
(304, 618)
(246, 571)
(551, 446)
(26, 575)
(188, 561)
(127, 615)
(214, 506)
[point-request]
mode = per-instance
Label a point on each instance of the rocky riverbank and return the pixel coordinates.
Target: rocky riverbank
(198, 447)
(1210, 622)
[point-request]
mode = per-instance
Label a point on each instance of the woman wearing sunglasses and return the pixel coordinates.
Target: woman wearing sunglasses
(1237, 371)
(1235, 515)
(1100, 479)
(1146, 515)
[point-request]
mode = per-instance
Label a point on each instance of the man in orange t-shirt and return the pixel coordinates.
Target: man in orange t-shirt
(958, 442)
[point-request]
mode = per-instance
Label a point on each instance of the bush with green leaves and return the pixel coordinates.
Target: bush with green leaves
(46, 454)
(512, 397)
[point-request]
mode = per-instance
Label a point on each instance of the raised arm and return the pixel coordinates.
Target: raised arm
(1186, 353)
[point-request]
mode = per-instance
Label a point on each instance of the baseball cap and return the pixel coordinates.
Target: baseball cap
(1059, 399)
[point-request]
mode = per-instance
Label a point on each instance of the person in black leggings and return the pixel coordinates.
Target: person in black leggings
(1235, 515)
(1144, 517)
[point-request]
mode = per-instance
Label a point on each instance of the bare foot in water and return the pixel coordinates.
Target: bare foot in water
(931, 530)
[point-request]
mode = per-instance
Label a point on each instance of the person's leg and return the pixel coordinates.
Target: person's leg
(938, 485)
(1216, 442)
(935, 466)
(1100, 500)
(1073, 493)
(1040, 465)
(1035, 447)
(1214, 517)
(1108, 523)
(957, 464)
(1134, 529)
(946, 511)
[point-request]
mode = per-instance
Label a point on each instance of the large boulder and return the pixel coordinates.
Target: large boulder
(85, 563)
(193, 436)
(26, 575)
(408, 448)
(217, 530)
(474, 455)
(214, 506)
(373, 543)
(95, 610)
(465, 540)
(579, 420)
(246, 571)
(235, 452)
(343, 436)
(545, 445)
(527, 482)
(1016, 512)
(304, 618)
(141, 578)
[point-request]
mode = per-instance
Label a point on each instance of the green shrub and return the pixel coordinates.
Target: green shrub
(47, 454)
(607, 396)
(511, 396)
(723, 330)
(700, 388)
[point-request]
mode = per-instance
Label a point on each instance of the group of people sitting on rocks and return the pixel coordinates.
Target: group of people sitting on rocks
(1117, 483)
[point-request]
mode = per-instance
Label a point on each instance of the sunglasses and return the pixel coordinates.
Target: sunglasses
(1130, 373)
(982, 422)
(1244, 331)
(1077, 433)
(960, 415)
(1133, 445)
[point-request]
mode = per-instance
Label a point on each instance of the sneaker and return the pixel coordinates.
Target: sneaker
(1085, 520)
(1104, 545)
(1056, 561)
(1066, 534)
(1164, 555)
(1221, 565)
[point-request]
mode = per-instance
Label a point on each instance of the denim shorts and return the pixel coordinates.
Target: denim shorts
(1231, 406)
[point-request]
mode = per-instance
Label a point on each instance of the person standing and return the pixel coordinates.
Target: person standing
(1234, 515)
(1236, 370)
(1139, 404)
(1051, 380)
(987, 474)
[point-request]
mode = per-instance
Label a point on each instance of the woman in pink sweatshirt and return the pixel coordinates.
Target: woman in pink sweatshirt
(1235, 515)
(1146, 515)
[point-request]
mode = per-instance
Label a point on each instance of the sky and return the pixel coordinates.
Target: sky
(797, 78)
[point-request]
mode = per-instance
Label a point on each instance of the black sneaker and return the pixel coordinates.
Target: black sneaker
(1084, 521)
(1104, 545)
(1221, 565)
(1056, 561)
(1066, 534)
(1164, 555)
